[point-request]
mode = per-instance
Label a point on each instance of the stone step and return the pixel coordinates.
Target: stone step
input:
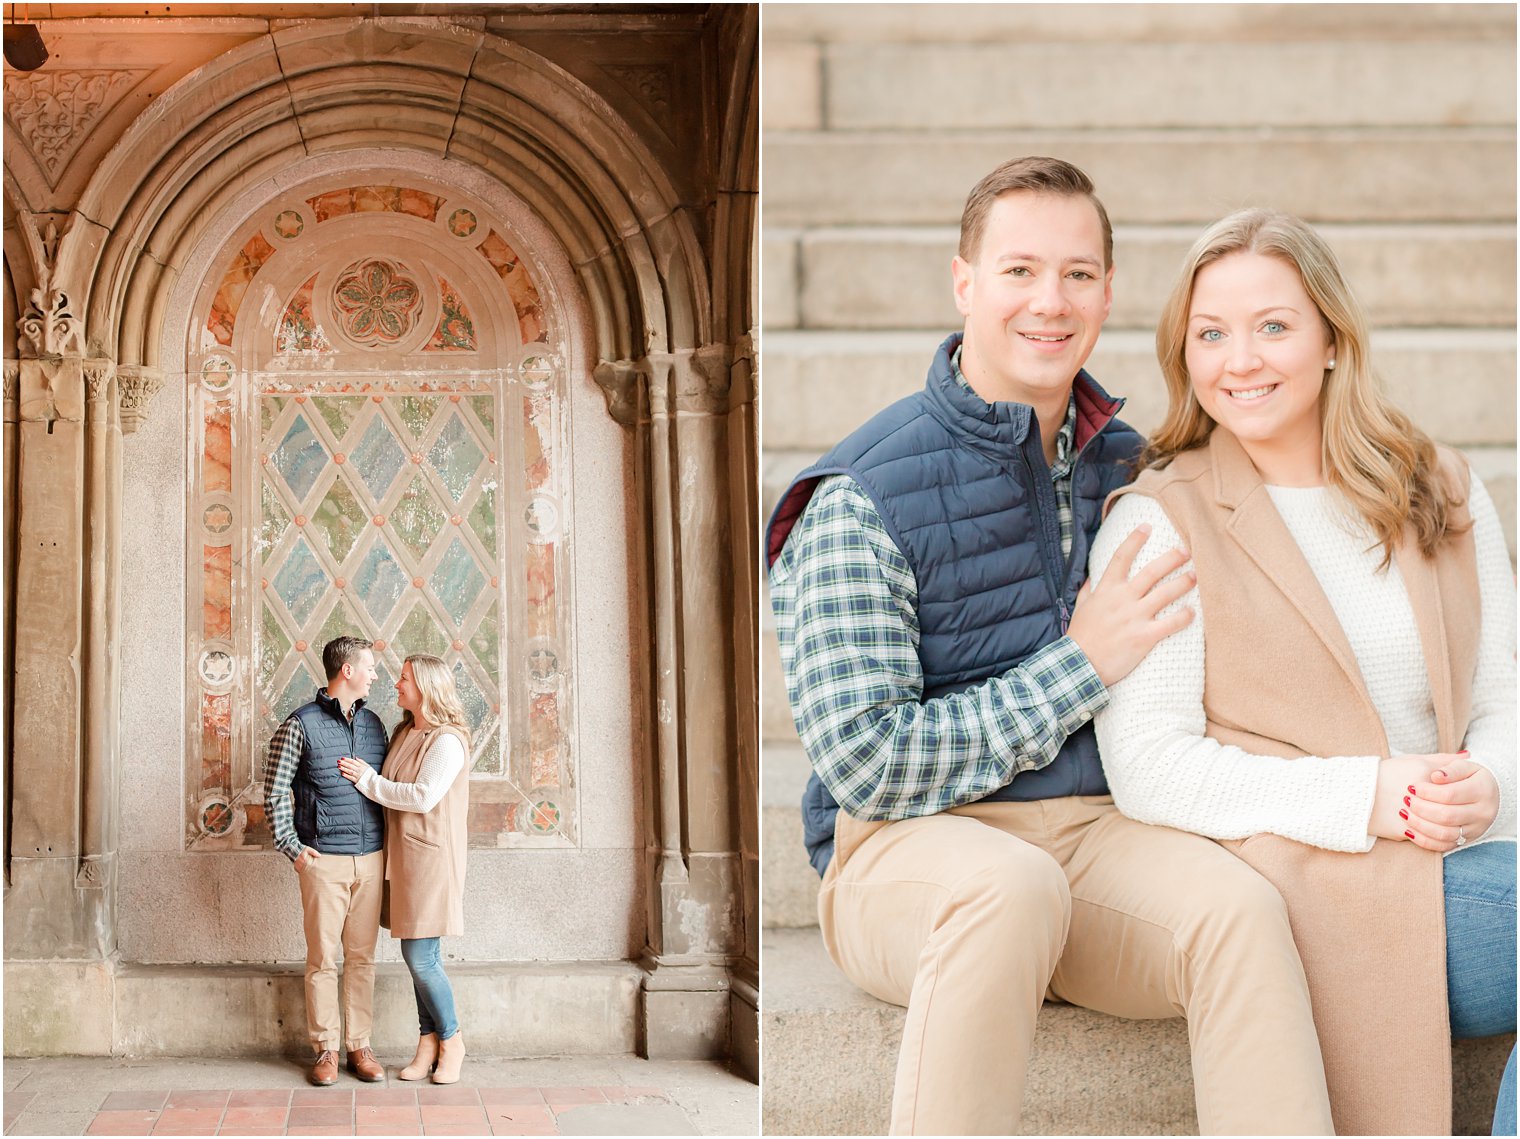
(789, 883)
(1150, 176)
(802, 25)
(1421, 275)
(902, 87)
(1458, 384)
(830, 1052)
(114, 1009)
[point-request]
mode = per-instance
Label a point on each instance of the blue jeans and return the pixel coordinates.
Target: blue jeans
(1480, 954)
(435, 997)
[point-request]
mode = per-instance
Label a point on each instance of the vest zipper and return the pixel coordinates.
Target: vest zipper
(1042, 491)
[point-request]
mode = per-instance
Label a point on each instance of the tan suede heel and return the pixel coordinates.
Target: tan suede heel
(450, 1059)
(424, 1061)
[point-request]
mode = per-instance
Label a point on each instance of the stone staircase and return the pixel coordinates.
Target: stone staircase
(1391, 127)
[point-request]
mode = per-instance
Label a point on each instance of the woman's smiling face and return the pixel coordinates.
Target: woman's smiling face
(408, 696)
(1257, 352)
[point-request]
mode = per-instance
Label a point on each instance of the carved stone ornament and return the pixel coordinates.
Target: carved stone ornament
(97, 379)
(622, 383)
(651, 84)
(49, 326)
(92, 873)
(12, 380)
(712, 366)
(136, 386)
(55, 111)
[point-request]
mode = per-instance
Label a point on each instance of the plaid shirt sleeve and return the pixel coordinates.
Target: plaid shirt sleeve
(285, 748)
(846, 615)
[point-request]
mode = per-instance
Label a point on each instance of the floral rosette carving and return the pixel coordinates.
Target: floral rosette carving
(378, 304)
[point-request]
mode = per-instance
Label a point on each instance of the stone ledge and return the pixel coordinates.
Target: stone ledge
(1134, 23)
(830, 1051)
(879, 177)
(116, 1009)
(1418, 275)
(820, 386)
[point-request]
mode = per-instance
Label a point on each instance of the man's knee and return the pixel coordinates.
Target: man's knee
(1239, 904)
(1019, 893)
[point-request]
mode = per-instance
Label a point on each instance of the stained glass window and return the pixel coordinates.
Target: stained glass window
(419, 505)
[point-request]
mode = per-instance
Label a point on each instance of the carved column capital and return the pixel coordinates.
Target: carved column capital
(623, 383)
(49, 326)
(710, 380)
(12, 390)
(97, 379)
(136, 385)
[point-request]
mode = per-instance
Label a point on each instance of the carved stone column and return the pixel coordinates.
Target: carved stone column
(696, 924)
(61, 901)
(136, 386)
(10, 455)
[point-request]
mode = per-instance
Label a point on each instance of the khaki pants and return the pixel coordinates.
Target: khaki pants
(969, 918)
(340, 902)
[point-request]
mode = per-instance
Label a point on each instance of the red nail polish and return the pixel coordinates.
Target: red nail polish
(1411, 788)
(1409, 834)
(1464, 752)
(1404, 815)
(1406, 800)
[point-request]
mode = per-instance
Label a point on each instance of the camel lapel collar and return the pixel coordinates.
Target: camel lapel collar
(1257, 528)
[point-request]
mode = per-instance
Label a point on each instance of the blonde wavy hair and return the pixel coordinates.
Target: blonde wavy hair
(440, 702)
(1384, 467)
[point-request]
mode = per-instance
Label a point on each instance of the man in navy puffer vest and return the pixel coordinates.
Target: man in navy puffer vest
(333, 835)
(944, 658)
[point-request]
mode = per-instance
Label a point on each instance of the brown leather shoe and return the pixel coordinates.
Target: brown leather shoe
(325, 1071)
(363, 1064)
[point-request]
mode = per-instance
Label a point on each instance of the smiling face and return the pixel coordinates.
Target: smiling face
(1257, 353)
(1034, 297)
(408, 695)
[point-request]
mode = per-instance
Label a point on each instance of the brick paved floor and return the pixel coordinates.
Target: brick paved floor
(576, 1096)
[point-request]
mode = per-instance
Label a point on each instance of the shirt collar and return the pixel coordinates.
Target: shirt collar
(1066, 436)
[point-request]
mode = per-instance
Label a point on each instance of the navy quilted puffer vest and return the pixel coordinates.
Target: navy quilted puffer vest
(964, 490)
(330, 814)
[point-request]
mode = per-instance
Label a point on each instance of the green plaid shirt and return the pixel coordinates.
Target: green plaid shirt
(846, 607)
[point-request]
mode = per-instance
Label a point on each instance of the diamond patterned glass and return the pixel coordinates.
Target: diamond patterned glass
(379, 456)
(457, 582)
(300, 458)
(379, 583)
(455, 457)
(418, 517)
(301, 582)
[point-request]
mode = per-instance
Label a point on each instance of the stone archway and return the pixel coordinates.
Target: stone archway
(638, 264)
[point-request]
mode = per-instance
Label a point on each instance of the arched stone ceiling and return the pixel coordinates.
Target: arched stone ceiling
(386, 83)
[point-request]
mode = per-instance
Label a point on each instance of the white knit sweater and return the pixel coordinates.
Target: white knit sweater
(1163, 770)
(440, 766)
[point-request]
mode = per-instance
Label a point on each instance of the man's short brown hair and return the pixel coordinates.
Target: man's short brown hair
(1036, 175)
(342, 650)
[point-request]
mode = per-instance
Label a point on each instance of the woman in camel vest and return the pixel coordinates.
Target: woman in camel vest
(425, 788)
(1342, 712)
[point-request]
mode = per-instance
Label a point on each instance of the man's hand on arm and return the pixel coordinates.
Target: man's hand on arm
(1116, 620)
